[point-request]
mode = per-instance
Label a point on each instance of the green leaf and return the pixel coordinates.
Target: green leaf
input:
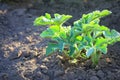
(43, 20)
(78, 38)
(47, 20)
(57, 39)
(62, 33)
(91, 17)
(50, 32)
(55, 28)
(92, 27)
(52, 47)
(47, 15)
(61, 45)
(60, 19)
(99, 14)
(101, 45)
(89, 52)
(111, 34)
(78, 24)
(88, 39)
(72, 49)
(47, 33)
(105, 13)
(102, 48)
(100, 41)
(80, 47)
(103, 28)
(97, 34)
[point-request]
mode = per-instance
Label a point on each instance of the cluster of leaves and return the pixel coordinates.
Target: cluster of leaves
(85, 39)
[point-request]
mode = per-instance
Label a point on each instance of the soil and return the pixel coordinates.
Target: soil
(22, 50)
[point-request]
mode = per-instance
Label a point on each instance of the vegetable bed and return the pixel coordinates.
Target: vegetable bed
(22, 50)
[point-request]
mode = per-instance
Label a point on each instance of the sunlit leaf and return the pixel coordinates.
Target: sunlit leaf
(102, 48)
(47, 33)
(47, 20)
(47, 15)
(51, 48)
(72, 49)
(89, 52)
(111, 34)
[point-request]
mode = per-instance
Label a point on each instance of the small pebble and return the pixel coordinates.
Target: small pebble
(44, 69)
(100, 74)
(58, 73)
(94, 78)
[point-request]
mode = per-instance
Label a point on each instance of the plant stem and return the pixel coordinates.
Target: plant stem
(95, 57)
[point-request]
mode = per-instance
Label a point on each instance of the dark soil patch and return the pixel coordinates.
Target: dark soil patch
(22, 51)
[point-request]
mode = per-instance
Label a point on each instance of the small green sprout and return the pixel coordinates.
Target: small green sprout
(85, 39)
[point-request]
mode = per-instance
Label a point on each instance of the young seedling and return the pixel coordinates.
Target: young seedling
(85, 39)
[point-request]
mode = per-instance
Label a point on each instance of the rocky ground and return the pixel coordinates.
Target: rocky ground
(22, 51)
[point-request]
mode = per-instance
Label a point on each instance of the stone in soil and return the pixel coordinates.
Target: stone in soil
(91, 72)
(100, 74)
(58, 73)
(15, 54)
(110, 75)
(94, 78)
(44, 69)
(4, 76)
(28, 75)
(19, 12)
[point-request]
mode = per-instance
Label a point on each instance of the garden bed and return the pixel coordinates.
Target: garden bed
(22, 51)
